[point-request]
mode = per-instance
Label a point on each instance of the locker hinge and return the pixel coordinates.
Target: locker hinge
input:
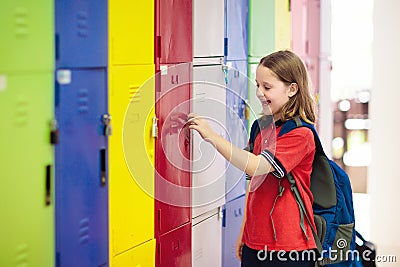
(225, 69)
(107, 124)
(54, 133)
(220, 213)
(154, 127)
(226, 46)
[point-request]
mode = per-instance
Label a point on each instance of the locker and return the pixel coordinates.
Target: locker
(233, 216)
(81, 168)
(27, 35)
(236, 29)
(207, 241)
(208, 28)
(143, 256)
(172, 174)
(312, 64)
(208, 166)
(255, 108)
(174, 31)
(131, 32)
(313, 28)
(174, 249)
(282, 25)
(261, 27)
(236, 123)
(131, 157)
(81, 33)
(27, 227)
(299, 26)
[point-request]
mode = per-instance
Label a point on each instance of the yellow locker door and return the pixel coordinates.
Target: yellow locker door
(131, 159)
(140, 256)
(282, 25)
(131, 32)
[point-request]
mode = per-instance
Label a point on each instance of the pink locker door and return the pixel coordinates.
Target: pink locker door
(208, 28)
(207, 241)
(174, 248)
(173, 31)
(313, 42)
(313, 28)
(312, 64)
(172, 172)
(298, 11)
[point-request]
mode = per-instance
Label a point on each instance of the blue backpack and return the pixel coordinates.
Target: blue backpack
(333, 200)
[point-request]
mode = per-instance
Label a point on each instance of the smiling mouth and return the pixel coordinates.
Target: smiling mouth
(266, 102)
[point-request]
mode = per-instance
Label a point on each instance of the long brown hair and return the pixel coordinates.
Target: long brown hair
(289, 68)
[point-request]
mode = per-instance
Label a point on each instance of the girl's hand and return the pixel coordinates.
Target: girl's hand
(238, 247)
(197, 123)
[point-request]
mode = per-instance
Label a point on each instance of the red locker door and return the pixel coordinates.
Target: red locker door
(172, 177)
(174, 31)
(174, 248)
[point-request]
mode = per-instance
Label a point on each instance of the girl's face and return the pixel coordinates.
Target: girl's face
(272, 92)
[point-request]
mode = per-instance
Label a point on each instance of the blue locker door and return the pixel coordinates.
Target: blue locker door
(81, 33)
(233, 215)
(236, 29)
(236, 95)
(81, 182)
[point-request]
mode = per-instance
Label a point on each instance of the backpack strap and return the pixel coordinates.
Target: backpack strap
(258, 125)
(322, 187)
(303, 212)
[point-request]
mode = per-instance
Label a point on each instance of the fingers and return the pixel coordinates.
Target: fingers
(239, 251)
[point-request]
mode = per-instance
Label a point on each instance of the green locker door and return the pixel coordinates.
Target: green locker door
(27, 35)
(26, 164)
(254, 105)
(261, 27)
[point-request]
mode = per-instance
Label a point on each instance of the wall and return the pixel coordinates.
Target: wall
(384, 175)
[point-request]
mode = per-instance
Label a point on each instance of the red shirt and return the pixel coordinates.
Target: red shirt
(292, 152)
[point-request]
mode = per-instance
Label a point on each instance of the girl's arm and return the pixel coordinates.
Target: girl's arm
(239, 242)
(251, 164)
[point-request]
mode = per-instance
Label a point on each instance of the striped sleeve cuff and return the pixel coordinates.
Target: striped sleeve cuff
(280, 171)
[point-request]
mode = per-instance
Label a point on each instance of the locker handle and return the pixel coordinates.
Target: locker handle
(48, 185)
(176, 80)
(57, 44)
(103, 166)
(238, 213)
(158, 44)
(159, 253)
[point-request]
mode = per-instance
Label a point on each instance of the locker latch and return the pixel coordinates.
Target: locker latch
(107, 124)
(154, 128)
(54, 134)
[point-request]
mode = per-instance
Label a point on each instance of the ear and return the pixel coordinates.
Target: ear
(293, 88)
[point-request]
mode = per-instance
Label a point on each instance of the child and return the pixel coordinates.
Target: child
(271, 234)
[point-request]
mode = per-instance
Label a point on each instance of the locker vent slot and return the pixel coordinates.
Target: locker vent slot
(134, 93)
(82, 24)
(83, 100)
(21, 258)
(21, 111)
(21, 22)
(84, 231)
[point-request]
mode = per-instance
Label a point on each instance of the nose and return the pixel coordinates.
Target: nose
(259, 93)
